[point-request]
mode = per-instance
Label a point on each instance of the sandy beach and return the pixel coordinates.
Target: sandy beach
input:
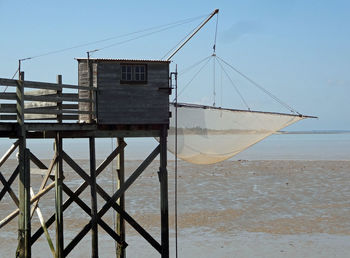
(276, 208)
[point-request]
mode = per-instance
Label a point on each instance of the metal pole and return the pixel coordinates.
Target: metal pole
(192, 34)
(176, 244)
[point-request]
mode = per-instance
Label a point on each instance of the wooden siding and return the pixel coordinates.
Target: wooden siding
(127, 103)
(83, 80)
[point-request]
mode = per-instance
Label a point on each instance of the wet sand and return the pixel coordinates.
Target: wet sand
(232, 209)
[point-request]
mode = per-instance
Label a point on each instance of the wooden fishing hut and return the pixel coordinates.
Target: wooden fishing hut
(115, 98)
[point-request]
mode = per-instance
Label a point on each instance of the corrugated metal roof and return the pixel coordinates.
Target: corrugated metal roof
(125, 60)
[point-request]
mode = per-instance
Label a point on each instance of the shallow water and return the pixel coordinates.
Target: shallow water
(271, 208)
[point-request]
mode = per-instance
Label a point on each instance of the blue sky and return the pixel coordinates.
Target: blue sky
(298, 50)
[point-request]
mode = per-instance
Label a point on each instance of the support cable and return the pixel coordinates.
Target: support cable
(216, 33)
(214, 59)
(179, 43)
(192, 79)
(138, 37)
(221, 88)
(261, 88)
(173, 48)
(11, 79)
(234, 85)
(193, 66)
(214, 81)
(165, 27)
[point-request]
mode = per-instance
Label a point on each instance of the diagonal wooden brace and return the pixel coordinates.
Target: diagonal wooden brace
(79, 190)
(7, 186)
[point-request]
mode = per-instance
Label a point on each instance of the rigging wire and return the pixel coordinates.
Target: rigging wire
(234, 85)
(214, 59)
(11, 79)
(135, 38)
(167, 53)
(172, 49)
(221, 88)
(194, 65)
(167, 26)
(216, 32)
(183, 89)
(260, 87)
(214, 90)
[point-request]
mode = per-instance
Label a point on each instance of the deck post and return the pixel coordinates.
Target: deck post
(24, 226)
(120, 226)
(59, 94)
(163, 177)
(58, 187)
(94, 228)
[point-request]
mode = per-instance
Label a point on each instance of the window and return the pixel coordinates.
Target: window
(133, 73)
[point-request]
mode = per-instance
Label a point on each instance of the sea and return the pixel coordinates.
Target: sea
(287, 196)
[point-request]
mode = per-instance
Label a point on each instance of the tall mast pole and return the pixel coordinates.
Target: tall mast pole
(193, 33)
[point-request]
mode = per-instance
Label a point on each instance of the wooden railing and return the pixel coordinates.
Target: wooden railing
(31, 100)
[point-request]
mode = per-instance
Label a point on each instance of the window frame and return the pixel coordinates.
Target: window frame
(124, 74)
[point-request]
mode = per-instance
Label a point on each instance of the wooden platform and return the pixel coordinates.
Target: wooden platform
(79, 130)
(49, 112)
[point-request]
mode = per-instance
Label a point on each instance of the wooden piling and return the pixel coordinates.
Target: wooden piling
(120, 226)
(24, 247)
(94, 217)
(58, 188)
(164, 209)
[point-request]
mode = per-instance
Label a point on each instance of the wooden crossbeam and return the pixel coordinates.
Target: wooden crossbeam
(8, 188)
(130, 220)
(42, 85)
(41, 165)
(39, 117)
(129, 181)
(113, 199)
(104, 195)
(42, 223)
(9, 183)
(87, 209)
(46, 98)
(79, 190)
(76, 167)
(9, 152)
(13, 215)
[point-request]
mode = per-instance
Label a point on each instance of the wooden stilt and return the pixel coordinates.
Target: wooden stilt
(58, 188)
(24, 247)
(163, 177)
(120, 226)
(94, 232)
